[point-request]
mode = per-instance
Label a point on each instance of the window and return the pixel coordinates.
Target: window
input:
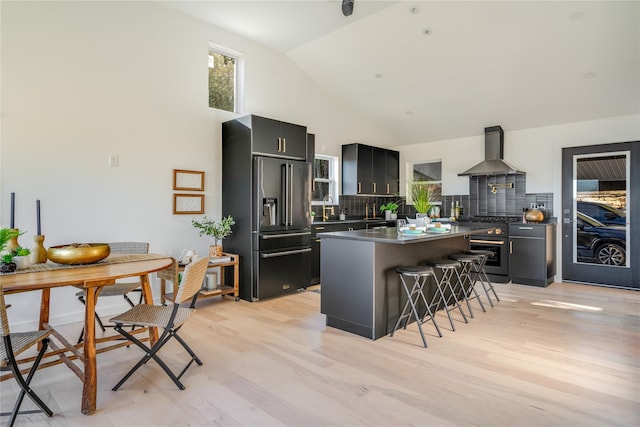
(430, 173)
(325, 178)
(225, 79)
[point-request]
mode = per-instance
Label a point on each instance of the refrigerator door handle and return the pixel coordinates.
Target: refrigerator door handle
(285, 253)
(291, 193)
(280, 236)
(285, 192)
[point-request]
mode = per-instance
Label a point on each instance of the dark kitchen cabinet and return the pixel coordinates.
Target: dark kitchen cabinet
(370, 170)
(532, 253)
(275, 138)
(392, 172)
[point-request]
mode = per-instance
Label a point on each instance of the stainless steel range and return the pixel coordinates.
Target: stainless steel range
(496, 240)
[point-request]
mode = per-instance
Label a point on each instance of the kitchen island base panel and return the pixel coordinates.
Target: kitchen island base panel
(361, 292)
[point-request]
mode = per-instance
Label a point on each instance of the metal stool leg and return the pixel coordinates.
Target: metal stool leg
(420, 276)
(467, 261)
(447, 267)
(481, 274)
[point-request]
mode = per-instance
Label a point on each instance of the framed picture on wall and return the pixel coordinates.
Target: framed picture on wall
(188, 180)
(188, 203)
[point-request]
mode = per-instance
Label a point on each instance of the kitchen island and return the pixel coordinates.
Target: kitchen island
(361, 291)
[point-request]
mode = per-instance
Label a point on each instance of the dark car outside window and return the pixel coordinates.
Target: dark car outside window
(607, 215)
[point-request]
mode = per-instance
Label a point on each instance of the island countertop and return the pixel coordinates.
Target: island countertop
(390, 234)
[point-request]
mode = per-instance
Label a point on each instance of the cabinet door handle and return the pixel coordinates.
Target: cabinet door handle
(359, 188)
(510, 247)
(374, 188)
(279, 145)
(284, 145)
(387, 188)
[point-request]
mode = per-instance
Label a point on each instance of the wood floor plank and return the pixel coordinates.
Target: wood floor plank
(566, 355)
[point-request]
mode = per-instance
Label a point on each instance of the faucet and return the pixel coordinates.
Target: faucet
(326, 209)
(366, 211)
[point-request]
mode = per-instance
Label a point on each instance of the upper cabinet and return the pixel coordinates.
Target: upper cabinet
(370, 170)
(275, 138)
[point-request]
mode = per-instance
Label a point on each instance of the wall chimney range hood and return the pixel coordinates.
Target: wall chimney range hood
(493, 163)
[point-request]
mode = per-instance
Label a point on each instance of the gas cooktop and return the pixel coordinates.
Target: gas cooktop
(495, 219)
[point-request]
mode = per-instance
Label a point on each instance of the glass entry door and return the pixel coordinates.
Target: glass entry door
(599, 235)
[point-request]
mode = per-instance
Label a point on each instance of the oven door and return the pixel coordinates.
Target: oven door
(498, 263)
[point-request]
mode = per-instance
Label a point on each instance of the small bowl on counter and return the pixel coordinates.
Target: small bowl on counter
(78, 253)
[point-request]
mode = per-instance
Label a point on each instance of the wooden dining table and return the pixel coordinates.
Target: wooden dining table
(92, 278)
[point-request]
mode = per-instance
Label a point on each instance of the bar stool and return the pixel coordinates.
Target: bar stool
(420, 275)
(449, 270)
(466, 264)
(480, 274)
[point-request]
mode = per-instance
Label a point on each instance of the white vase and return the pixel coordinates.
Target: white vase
(424, 217)
(22, 262)
(394, 216)
(387, 215)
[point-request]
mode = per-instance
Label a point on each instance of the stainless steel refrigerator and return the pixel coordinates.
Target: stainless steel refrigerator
(269, 196)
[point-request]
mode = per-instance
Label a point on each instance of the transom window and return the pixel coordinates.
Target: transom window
(226, 69)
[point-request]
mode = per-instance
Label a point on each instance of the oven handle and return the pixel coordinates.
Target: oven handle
(276, 254)
(488, 242)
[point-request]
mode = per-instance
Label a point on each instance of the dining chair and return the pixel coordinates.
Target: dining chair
(12, 345)
(118, 289)
(168, 317)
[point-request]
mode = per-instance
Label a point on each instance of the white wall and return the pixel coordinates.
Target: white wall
(82, 80)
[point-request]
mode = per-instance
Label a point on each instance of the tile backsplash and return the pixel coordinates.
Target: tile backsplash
(481, 201)
(505, 201)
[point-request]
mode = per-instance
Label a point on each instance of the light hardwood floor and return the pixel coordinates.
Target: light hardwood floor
(566, 355)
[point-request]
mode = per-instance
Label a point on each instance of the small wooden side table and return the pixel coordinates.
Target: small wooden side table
(171, 274)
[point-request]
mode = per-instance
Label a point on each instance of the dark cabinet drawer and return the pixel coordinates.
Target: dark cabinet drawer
(528, 230)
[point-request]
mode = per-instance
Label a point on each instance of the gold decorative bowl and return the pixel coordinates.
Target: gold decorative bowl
(78, 253)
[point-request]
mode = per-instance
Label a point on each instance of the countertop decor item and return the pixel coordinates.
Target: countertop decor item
(389, 209)
(21, 256)
(421, 196)
(38, 252)
(534, 215)
(9, 239)
(79, 253)
(6, 264)
(216, 229)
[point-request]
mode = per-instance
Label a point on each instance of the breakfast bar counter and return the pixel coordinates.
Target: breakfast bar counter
(360, 290)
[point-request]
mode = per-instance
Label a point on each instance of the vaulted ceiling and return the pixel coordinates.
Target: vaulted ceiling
(431, 70)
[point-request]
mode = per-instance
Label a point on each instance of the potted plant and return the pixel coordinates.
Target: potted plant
(6, 235)
(21, 256)
(421, 196)
(216, 229)
(390, 210)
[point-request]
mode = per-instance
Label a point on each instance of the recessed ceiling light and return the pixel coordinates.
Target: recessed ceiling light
(589, 75)
(378, 75)
(426, 31)
(409, 113)
(414, 9)
(577, 15)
